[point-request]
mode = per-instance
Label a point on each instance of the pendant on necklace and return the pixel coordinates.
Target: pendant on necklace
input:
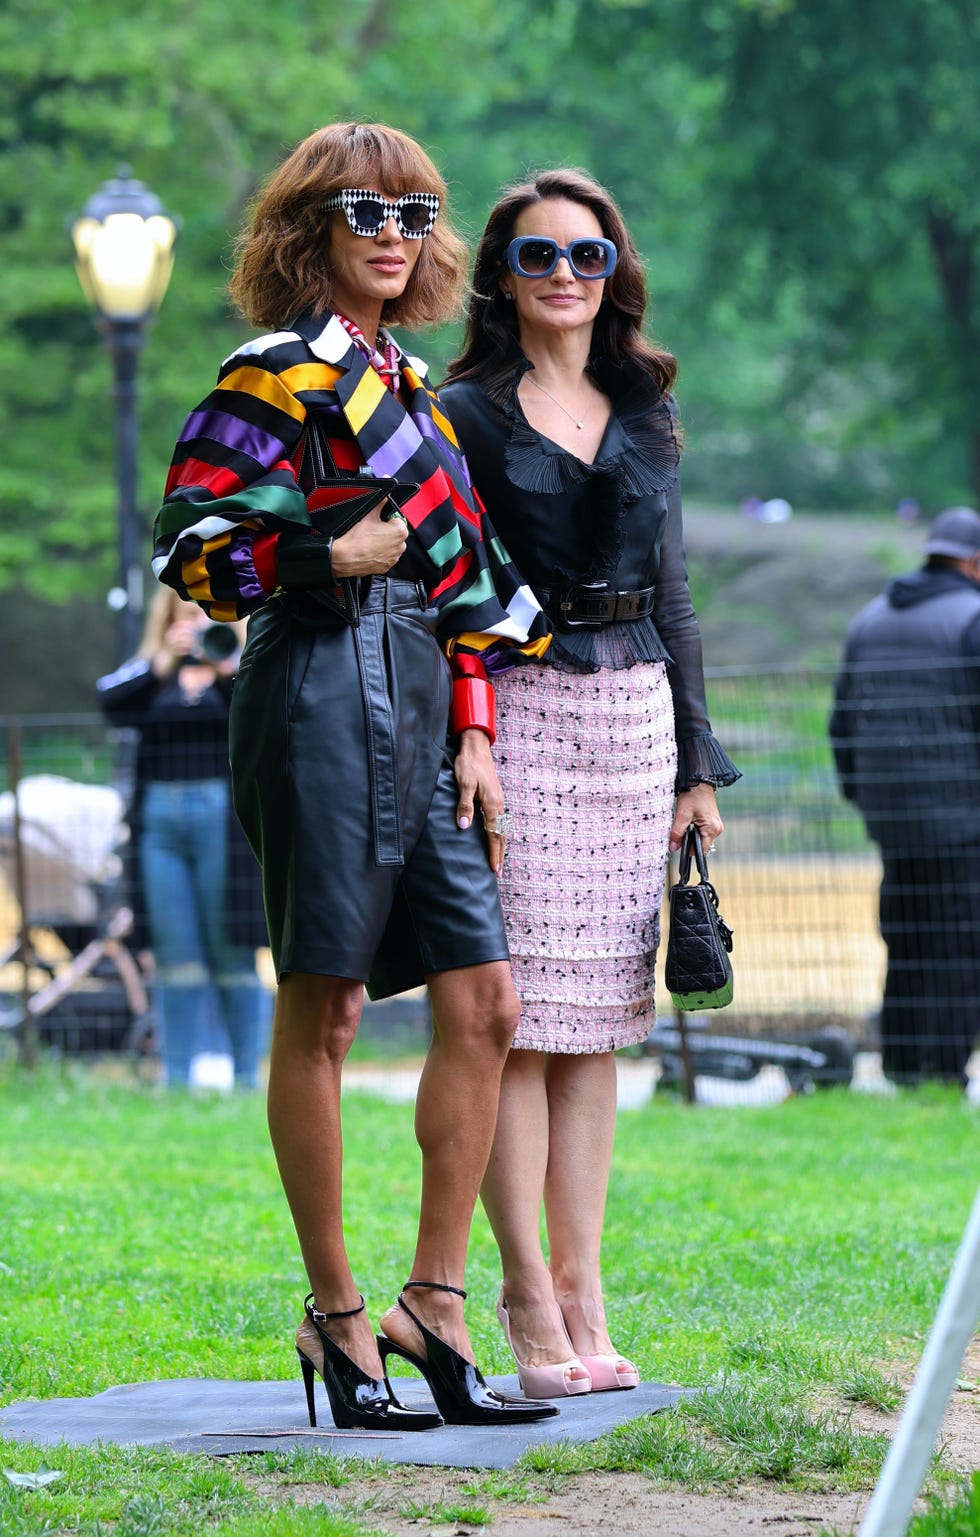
(558, 403)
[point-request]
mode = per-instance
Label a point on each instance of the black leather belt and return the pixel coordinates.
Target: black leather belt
(590, 605)
(389, 594)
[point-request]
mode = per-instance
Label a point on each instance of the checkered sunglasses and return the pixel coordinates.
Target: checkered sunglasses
(368, 212)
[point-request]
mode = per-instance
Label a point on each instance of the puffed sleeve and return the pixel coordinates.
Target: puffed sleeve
(232, 486)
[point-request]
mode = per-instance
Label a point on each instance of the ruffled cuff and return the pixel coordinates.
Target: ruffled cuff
(495, 655)
(702, 760)
(264, 561)
(303, 559)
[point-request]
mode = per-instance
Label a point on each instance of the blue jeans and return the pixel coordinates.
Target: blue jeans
(183, 861)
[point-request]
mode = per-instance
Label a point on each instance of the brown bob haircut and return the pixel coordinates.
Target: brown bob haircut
(491, 343)
(282, 255)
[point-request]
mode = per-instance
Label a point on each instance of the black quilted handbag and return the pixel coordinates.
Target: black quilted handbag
(697, 970)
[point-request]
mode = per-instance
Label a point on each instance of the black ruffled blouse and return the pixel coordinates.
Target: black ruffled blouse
(617, 520)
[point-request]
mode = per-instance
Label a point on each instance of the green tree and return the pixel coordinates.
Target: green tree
(797, 172)
(843, 181)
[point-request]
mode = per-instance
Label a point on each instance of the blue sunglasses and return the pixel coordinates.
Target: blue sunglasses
(535, 256)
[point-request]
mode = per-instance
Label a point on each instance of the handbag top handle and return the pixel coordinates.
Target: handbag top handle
(691, 844)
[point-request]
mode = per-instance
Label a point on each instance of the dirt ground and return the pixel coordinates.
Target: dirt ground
(632, 1506)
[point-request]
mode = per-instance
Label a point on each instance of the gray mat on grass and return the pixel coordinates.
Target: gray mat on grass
(194, 1415)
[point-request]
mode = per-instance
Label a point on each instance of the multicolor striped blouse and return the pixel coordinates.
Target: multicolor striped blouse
(234, 481)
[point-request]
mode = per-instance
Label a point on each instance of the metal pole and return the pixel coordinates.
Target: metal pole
(124, 340)
(905, 1467)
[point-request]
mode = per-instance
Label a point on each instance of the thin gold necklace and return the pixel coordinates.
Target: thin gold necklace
(558, 403)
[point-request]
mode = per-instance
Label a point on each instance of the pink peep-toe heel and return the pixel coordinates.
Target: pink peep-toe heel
(550, 1381)
(610, 1371)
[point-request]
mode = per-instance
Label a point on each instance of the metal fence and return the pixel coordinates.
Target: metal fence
(796, 874)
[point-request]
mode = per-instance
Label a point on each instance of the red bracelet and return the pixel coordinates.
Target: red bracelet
(473, 707)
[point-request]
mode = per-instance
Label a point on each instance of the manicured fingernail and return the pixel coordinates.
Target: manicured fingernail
(464, 821)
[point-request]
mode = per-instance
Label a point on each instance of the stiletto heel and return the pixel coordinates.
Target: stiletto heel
(461, 1394)
(309, 1371)
(553, 1380)
(356, 1400)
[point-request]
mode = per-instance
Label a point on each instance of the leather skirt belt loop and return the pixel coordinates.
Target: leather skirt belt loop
(590, 605)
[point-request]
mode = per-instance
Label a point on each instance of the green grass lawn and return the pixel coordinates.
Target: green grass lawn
(791, 1257)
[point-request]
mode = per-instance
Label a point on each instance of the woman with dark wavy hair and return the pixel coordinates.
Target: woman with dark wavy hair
(604, 750)
(355, 797)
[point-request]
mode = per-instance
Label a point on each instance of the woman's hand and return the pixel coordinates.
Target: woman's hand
(180, 640)
(372, 546)
(696, 805)
(476, 775)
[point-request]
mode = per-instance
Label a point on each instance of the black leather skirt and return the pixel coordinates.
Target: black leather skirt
(343, 781)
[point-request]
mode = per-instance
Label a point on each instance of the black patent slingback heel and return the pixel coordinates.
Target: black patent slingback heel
(461, 1394)
(356, 1400)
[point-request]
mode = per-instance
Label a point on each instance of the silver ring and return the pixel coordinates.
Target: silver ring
(501, 824)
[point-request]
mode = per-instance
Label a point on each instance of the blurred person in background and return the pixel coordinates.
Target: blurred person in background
(198, 883)
(905, 732)
(565, 414)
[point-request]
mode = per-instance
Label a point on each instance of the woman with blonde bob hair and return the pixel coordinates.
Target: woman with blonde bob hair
(194, 883)
(356, 789)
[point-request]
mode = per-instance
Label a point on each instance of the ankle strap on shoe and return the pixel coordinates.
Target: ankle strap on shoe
(321, 1318)
(436, 1286)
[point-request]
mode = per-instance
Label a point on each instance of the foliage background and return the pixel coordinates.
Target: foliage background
(798, 173)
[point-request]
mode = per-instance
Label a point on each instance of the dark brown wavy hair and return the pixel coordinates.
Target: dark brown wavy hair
(489, 347)
(282, 268)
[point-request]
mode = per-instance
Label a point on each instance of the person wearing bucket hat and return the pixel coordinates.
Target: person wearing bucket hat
(905, 732)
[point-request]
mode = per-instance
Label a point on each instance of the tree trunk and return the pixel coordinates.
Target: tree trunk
(953, 252)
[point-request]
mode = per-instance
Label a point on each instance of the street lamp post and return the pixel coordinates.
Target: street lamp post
(124, 250)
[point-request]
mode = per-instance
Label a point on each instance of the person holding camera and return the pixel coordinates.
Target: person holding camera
(198, 884)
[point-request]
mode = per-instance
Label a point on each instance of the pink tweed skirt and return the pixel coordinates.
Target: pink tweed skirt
(587, 763)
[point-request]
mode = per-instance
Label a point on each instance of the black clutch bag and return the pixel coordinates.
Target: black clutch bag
(697, 969)
(336, 502)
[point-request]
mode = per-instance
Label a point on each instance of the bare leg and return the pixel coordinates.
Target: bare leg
(316, 1020)
(512, 1193)
(582, 1105)
(475, 1013)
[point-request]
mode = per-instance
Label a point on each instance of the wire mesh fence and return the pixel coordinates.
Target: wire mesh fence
(796, 873)
(797, 876)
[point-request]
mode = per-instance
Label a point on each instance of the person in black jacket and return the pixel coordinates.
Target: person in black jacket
(905, 732)
(604, 747)
(199, 884)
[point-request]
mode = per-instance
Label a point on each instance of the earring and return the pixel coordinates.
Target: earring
(507, 294)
